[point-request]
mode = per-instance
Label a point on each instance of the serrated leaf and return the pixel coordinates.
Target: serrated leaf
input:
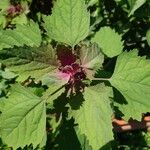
(69, 22)
(94, 116)
(109, 41)
(132, 78)
(23, 35)
(134, 5)
(35, 62)
(148, 37)
(83, 140)
(91, 57)
(23, 118)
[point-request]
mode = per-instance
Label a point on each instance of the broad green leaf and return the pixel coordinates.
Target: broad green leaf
(83, 140)
(23, 35)
(109, 41)
(4, 4)
(35, 62)
(23, 118)
(134, 5)
(91, 57)
(69, 22)
(132, 78)
(148, 37)
(94, 115)
(21, 19)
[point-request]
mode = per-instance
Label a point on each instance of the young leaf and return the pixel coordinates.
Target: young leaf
(91, 57)
(27, 61)
(148, 37)
(109, 41)
(23, 35)
(134, 5)
(94, 116)
(132, 78)
(69, 22)
(23, 118)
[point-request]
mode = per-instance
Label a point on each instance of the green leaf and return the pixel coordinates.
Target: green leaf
(69, 22)
(148, 37)
(4, 4)
(83, 140)
(91, 56)
(147, 138)
(91, 59)
(94, 116)
(23, 118)
(132, 78)
(23, 35)
(21, 19)
(6, 74)
(35, 62)
(109, 41)
(134, 5)
(92, 2)
(3, 86)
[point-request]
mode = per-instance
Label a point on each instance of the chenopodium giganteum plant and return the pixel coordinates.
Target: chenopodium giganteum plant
(70, 73)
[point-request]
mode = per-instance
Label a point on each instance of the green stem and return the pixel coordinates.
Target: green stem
(101, 79)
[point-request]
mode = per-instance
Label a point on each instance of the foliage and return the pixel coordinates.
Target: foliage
(67, 69)
(20, 36)
(135, 89)
(109, 41)
(68, 24)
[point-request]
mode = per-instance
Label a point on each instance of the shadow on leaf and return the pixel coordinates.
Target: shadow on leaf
(76, 101)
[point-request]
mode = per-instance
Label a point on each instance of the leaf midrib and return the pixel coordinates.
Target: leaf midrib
(24, 117)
